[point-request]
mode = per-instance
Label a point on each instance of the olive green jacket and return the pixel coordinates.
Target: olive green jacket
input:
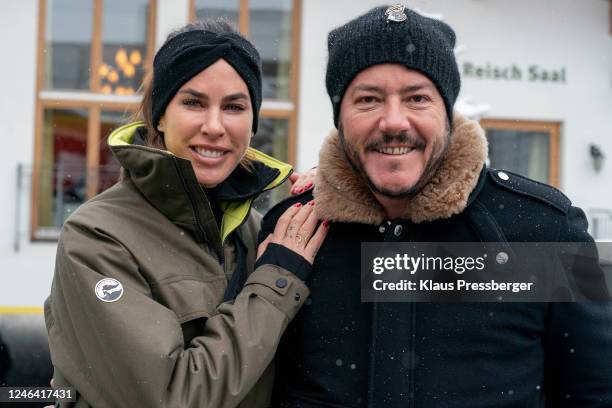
(167, 340)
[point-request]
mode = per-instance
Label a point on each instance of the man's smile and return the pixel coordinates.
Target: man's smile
(394, 150)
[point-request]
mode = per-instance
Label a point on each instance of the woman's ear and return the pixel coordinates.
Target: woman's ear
(161, 125)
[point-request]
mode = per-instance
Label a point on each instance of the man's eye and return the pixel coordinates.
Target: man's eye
(366, 99)
(419, 98)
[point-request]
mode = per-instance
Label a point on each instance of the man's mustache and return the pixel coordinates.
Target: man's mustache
(387, 139)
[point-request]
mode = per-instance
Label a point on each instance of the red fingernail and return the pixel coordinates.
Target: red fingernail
(298, 205)
(309, 185)
(311, 202)
(326, 224)
(300, 191)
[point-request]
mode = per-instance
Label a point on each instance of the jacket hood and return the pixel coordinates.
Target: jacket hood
(169, 183)
(343, 196)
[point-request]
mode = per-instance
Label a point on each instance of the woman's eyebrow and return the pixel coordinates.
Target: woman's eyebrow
(193, 92)
(235, 96)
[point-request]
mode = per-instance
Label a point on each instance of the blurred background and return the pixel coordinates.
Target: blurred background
(536, 73)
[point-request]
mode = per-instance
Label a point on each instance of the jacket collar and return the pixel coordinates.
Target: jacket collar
(169, 183)
(342, 195)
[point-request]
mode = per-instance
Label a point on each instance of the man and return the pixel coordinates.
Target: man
(403, 167)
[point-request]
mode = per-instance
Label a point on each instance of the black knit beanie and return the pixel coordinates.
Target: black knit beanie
(392, 35)
(184, 56)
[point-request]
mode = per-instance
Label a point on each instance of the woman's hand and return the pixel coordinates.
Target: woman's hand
(302, 181)
(297, 230)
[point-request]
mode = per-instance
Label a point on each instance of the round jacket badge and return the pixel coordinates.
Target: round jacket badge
(109, 290)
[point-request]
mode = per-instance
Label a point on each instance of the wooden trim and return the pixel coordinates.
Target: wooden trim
(552, 128)
(96, 46)
(40, 54)
(38, 116)
(67, 104)
(275, 113)
(296, 31)
(151, 36)
(555, 136)
(36, 169)
(292, 140)
(243, 17)
(191, 15)
(527, 125)
(93, 153)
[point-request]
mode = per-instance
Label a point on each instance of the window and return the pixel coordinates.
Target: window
(273, 27)
(530, 149)
(92, 57)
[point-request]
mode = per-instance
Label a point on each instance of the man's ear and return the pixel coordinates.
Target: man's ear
(161, 125)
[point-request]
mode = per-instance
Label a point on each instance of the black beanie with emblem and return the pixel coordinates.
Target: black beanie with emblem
(392, 34)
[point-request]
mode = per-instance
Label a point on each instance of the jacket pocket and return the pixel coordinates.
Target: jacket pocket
(190, 297)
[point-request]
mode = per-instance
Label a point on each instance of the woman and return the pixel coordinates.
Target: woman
(157, 299)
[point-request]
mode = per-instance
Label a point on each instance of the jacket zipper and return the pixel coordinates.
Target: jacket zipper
(412, 361)
(196, 216)
(253, 200)
(411, 348)
(220, 255)
(372, 373)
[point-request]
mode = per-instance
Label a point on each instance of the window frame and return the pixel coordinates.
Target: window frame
(553, 129)
(91, 100)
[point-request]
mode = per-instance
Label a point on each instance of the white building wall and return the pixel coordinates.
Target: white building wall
(549, 33)
(26, 274)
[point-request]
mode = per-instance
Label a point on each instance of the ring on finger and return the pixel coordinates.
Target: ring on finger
(300, 239)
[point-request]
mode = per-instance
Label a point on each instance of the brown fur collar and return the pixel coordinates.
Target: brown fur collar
(342, 196)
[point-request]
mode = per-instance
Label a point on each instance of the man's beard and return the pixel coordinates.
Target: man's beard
(433, 163)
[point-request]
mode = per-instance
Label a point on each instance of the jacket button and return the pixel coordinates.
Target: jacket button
(281, 283)
(502, 175)
(381, 229)
(297, 297)
(398, 230)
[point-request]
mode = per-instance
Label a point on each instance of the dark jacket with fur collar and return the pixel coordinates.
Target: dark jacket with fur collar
(340, 352)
